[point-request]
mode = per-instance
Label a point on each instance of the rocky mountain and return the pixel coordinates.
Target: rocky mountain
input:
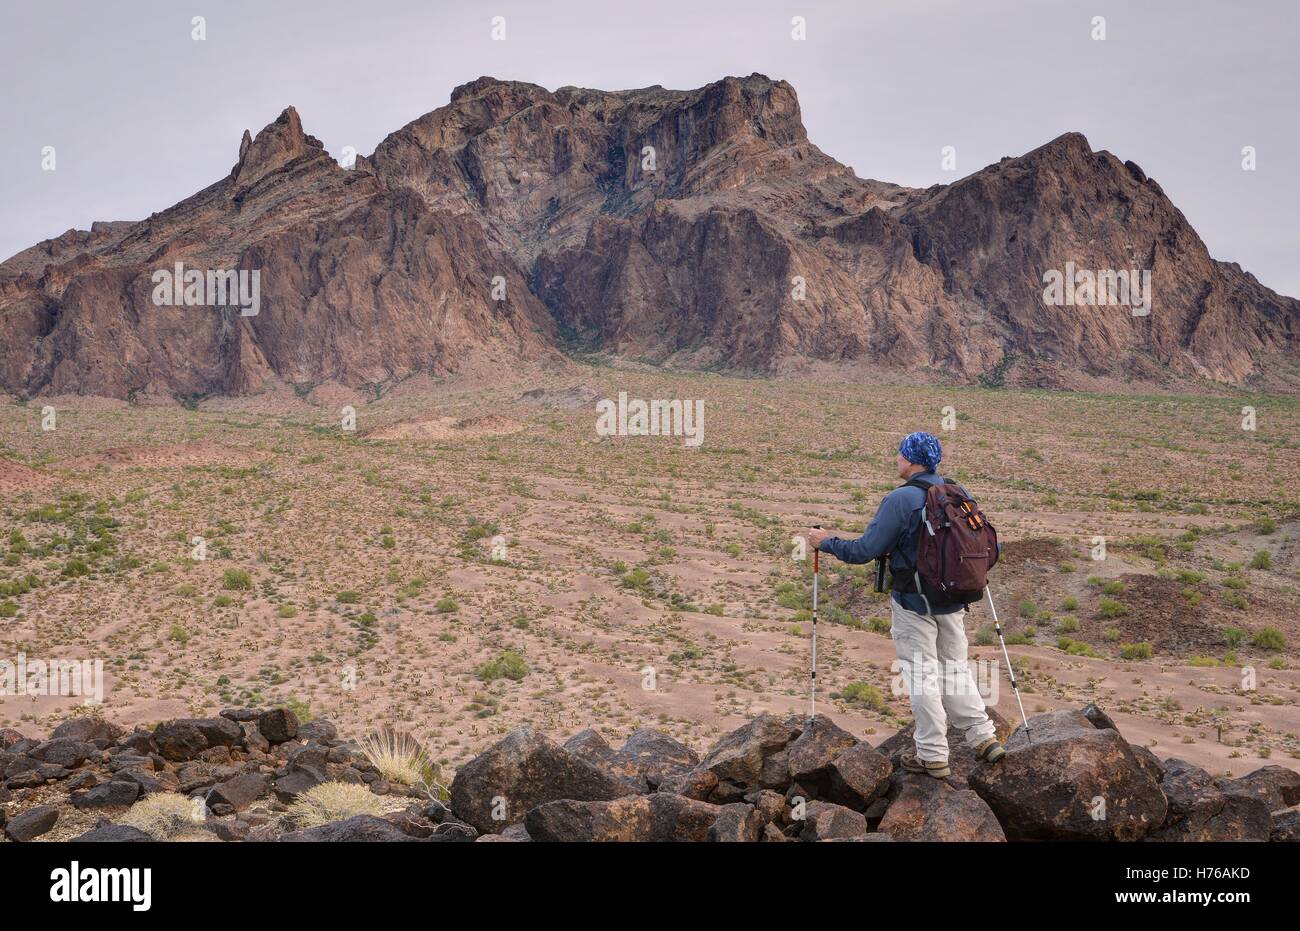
(696, 229)
(264, 776)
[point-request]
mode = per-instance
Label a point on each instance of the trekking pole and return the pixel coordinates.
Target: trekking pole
(812, 705)
(1011, 671)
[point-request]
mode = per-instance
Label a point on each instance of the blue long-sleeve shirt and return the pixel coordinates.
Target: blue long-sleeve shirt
(893, 530)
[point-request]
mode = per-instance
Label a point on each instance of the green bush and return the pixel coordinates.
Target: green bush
(347, 598)
(863, 693)
(1234, 637)
(509, 665)
(1112, 608)
(446, 605)
(1269, 638)
(1262, 559)
(1135, 651)
(1070, 603)
(236, 580)
(8, 608)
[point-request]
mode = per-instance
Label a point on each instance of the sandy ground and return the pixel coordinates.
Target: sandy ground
(375, 576)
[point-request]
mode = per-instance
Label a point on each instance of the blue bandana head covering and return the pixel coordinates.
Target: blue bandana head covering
(922, 449)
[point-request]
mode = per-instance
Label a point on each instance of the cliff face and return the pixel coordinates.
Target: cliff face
(693, 228)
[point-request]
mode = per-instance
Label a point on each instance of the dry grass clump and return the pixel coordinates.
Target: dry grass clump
(167, 816)
(400, 758)
(336, 801)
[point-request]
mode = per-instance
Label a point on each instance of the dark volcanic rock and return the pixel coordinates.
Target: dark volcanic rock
(1200, 811)
(239, 792)
(179, 740)
(653, 756)
(32, 823)
(88, 728)
(67, 752)
(858, 776)
(923, 808)
(738, 757)
(589, 745)
(1276, 786)
(810, 755)
(106, 832)
(657, 817)
(108, 795)
(520, 772)
(737, 823)
(824, 820)
(278, 725)
(358, 829)
(1074, 782)
(1286, 825)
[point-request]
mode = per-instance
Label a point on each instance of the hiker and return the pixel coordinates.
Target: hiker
(929, 634)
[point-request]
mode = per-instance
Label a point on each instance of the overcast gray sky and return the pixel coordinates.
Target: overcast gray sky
(141, 115)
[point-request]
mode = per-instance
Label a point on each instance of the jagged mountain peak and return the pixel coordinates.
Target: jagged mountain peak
(691, 227)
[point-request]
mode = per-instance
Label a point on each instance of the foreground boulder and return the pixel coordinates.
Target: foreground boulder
(1276, 787)
(31, 824)
(1200, 811)
(658, 817)
(1074, 782)
(741, 757)
(922, 808)
(519, 773)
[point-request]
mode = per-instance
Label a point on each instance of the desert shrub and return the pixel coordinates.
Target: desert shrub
(222, 601)
(178, 633)
(1136, 651)
(347, 598)
(399, 758)
(1028, 608)
(8, 608)
(1113, 587)
(509, 665)
(236, 580)
(863, 693)
(1234, 582)
(1262, 559)
(1269, 638)
(1076, 647)
(286, 610)
(714, 609)
(1111, 634)
(1190, 576)
(1112, 608)
(165, 815)
(335, 801)
(1068, 624)
(447, 605)
(1267, 525)
(1203, 661)
(1070, 603)
(986, 636)
(1234, 637)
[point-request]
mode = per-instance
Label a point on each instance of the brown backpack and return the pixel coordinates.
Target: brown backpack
(956, 546)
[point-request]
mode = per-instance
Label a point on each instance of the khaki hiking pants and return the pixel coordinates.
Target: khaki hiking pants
(932, 662)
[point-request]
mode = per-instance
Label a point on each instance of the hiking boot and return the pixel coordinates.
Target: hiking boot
(990, 751)
(939, 769)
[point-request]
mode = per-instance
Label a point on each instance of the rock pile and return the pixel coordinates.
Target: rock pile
(239, 776)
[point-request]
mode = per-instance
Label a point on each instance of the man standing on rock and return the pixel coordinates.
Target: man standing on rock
(930, 640)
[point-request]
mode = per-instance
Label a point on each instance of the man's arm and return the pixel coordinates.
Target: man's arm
(880, 536)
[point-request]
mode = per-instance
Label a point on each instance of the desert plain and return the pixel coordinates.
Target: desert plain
(460, 559)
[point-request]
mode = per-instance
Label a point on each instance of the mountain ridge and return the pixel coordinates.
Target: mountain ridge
(659, 226)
